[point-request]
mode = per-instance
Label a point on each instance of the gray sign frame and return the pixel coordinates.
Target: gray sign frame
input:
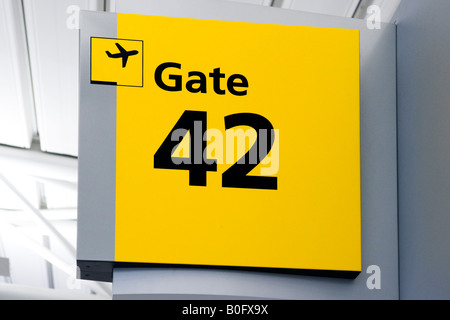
(378, 170)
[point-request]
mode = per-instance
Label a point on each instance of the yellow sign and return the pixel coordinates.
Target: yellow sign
(238, 144)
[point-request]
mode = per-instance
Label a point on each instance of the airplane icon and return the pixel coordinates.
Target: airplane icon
(124, 54)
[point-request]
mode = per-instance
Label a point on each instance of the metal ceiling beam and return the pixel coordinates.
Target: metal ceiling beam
(49, 256)
(343, 8)
(39, 218)
(36, 163)
(4, 267)
(20, 217)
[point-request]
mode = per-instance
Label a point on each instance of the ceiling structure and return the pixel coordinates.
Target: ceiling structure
(39, 138)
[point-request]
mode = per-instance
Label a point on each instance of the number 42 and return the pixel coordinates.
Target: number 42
(236, 176)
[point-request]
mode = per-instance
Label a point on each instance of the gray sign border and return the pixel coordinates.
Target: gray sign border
(378, 156)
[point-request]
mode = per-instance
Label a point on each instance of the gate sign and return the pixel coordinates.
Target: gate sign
(237, 144)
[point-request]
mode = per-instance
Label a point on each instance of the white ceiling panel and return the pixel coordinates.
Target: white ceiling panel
(343, 8)
(52, 30)
(59, 194)
(17, 122)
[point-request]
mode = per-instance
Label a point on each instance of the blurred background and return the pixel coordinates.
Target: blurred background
(39, 138)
